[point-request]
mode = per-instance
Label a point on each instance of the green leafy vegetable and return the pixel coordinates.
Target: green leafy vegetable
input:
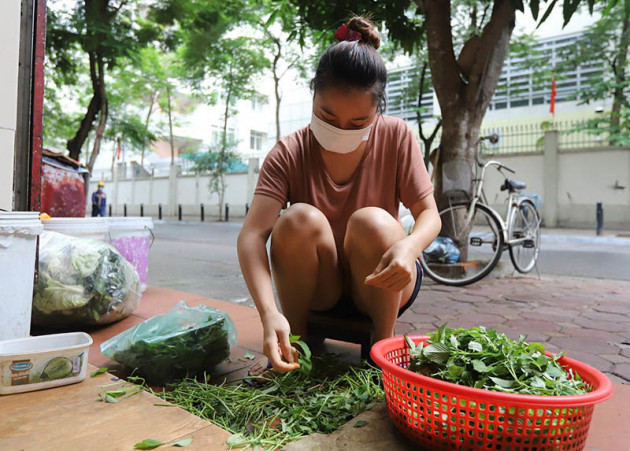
(360, 423)
(82, 282)
(289, 406)
(483, 358)
(183, 443)
(186, 341)
(97, 372)
(120, 389)
(148, 444)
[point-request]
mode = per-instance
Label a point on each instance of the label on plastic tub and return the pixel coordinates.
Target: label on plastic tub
(43, 369)
(20, 370)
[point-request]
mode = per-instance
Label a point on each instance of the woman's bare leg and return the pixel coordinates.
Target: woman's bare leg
(370, 233)
(305, 264)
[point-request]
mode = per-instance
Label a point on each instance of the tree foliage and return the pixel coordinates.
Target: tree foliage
(604, 46)
(469, 69)
(91, 37)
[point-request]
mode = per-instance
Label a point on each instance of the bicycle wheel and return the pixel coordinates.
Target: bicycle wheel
(465, 251)
(524, 230)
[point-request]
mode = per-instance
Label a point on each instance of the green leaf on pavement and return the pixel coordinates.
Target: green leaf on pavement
(97, 372)
(183, 443)
(148, 443)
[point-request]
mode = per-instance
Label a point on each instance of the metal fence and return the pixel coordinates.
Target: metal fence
(530, 138)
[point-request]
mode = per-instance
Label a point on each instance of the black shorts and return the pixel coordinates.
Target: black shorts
(345, 308)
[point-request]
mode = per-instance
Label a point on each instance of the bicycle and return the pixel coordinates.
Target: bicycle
(474, 235)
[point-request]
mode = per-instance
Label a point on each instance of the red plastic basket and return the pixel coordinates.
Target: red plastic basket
(442, 415)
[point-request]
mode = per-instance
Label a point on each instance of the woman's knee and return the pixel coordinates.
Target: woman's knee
(372, 226)
(299, 225)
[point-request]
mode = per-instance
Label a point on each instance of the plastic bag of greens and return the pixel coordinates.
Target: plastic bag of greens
(82, 282)
(186, 341)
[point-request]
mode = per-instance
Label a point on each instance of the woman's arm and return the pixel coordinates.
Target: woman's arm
(427, 225)
(254, 261)
(397, 265)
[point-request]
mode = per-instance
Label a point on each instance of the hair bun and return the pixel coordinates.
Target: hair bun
(363, 25)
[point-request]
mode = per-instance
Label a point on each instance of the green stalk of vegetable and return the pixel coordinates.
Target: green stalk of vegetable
(321, 396)
(483, 358)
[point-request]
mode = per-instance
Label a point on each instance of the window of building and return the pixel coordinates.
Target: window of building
(217, 133)
(258, 102)
(256, 140)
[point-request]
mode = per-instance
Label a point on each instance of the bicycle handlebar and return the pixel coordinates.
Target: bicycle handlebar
(500, 166)
(493, 139)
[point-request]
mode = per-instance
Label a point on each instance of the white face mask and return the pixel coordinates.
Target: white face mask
(338, 140)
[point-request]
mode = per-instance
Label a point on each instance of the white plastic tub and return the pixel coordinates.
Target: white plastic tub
(46, 361)
(95, 228)
(132, 237)
(18, 242)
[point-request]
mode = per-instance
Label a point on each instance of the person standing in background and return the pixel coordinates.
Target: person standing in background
(99, 201)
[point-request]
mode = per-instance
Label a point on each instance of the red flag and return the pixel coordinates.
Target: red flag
(118, 152)
(552, 101)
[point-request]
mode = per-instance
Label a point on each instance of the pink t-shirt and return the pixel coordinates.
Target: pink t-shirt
(391, 171)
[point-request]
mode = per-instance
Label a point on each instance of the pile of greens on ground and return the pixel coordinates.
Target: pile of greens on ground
(185, 341)
(316, 398)
(483, 358)
(82, 282)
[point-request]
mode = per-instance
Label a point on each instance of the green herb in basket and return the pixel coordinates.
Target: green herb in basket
(483, 358)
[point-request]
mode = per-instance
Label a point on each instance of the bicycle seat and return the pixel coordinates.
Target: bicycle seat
(512, 185)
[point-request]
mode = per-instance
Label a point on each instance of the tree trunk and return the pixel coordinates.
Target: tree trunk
(621, 59)
(226, 116)
(96, 14)
(427, 141)
(276, 86)
(75, 144)
(100, 129)
(116, 144)
(170, 123)
(466, 84)
(146, 124)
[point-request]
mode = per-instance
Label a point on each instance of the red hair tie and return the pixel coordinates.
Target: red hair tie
(344, 33)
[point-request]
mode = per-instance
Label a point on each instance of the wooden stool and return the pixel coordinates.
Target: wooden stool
(353, 329)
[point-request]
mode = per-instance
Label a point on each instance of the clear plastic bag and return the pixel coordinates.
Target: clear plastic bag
(184, 342)
(442, 250)
(82, 282)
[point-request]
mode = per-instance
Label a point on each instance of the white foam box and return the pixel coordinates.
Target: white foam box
(44, 361)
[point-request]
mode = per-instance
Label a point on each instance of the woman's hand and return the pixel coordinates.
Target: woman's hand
(276, 344)
(395, 270)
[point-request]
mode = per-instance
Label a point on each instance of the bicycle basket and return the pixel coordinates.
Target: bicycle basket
(457, 180)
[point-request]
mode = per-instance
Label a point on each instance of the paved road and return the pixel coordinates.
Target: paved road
(586, 256)
(200, 258)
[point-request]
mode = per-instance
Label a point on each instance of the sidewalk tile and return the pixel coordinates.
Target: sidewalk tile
(599, 316)
(622, 370)
(593, 360)
(608, 326)
(531, 327)
(584, 344)
(250, 334)
(157, 300)
(595, 334)
(615, 358)
(468, 298)
(402, 328)
(425, 328)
